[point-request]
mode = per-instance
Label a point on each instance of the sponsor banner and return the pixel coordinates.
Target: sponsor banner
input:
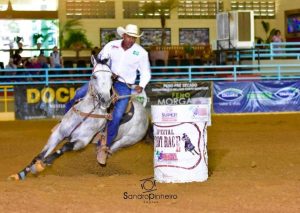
(38, 101)
(264, 96)
(180, 113)
(180, 152)
(175, 93)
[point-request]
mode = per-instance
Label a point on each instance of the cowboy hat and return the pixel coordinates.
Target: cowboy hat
(130, 29)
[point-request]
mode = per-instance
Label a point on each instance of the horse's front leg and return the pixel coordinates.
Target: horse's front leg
(23, 173)
(40, 165)
(47, 157)
(69, 146)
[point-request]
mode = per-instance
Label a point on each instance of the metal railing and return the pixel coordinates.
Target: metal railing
(44, 76)
(12, 77)
(271, 51)
(159, 74)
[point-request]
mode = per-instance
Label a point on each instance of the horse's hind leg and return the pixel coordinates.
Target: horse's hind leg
(65, 148)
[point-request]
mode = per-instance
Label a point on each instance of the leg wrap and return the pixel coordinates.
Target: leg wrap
(66, 147)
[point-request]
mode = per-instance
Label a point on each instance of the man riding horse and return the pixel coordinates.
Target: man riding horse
(126, 57)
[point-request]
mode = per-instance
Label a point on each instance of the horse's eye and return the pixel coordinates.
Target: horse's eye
(94, 77)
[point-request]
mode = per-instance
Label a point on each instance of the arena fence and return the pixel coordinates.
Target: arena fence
(288, 70)
(271, 51)
(6, 100)
(74, 76)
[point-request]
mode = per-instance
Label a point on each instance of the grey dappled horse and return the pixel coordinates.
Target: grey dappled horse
(85, 120)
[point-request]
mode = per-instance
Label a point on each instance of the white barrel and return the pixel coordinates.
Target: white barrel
(180, 143)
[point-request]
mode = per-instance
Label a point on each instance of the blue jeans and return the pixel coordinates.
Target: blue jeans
(80, 93)
(58, 66)
(118, 111)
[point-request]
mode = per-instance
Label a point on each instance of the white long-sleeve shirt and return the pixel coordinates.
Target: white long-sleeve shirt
(125, 63)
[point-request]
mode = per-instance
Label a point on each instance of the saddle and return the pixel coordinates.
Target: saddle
(128, 113)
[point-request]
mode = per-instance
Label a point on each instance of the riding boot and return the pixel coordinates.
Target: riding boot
(102, 154)
(102, 149)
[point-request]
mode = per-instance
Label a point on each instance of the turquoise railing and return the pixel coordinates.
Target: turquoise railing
(283, 50)
(289, 69)
(159, 74)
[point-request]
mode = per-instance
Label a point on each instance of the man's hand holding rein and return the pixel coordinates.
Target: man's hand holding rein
(138, 89)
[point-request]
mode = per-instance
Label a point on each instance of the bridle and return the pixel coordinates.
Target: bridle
(97, 97)
(98, 100)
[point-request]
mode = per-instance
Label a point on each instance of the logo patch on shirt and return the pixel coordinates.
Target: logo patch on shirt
(135, 52)
(114, 46)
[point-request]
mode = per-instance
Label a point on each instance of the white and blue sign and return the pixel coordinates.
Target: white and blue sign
(263, 96)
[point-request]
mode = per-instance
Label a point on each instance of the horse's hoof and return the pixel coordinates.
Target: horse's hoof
(102, 165)
(39, 166)
(14, 177)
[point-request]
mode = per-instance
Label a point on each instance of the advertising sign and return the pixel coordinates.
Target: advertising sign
(180, 143)
(175, 93)
(264, 96)
(38, 101)
(180, 113)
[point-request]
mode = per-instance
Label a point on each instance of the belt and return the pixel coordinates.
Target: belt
(121, 81)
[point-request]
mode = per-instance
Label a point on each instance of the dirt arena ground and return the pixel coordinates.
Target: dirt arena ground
(254, 166)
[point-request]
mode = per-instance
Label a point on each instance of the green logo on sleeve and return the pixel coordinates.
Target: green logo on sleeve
(135, 52)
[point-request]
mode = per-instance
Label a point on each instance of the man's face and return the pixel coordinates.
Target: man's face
(128, 41)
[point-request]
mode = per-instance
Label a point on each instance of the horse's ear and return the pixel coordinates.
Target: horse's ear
(93, 61)
(103, 61)
(96, 60)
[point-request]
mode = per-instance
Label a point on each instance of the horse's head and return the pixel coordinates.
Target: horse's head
(101, 83)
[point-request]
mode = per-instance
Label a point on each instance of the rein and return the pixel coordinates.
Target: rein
(115, 78)
(90, 114)
(127, 96)
(128, 85)
(78, 125)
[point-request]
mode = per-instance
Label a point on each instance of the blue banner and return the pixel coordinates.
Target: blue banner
(263, 96)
